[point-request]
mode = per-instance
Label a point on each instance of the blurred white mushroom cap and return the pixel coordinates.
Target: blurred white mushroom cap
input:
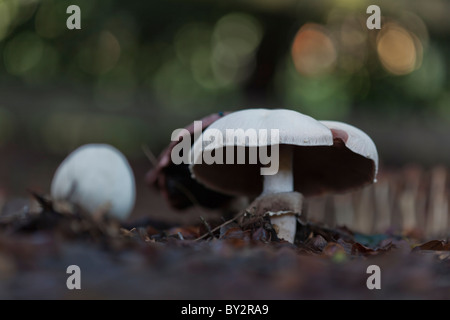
(96, 177)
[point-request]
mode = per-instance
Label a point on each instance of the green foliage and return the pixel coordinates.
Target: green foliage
(184, 59)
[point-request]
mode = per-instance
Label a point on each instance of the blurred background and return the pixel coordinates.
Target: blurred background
(137, 70)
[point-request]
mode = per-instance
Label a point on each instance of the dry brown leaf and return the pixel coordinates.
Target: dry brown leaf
(436, 245)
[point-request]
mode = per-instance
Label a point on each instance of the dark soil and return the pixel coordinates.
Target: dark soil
(235, 259)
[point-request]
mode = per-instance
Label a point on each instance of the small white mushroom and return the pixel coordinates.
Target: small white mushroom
(96, 177)
(314, 157)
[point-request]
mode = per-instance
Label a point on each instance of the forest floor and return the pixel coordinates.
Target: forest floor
(235, 259)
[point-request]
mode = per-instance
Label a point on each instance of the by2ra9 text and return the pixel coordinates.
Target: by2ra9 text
(246, 309)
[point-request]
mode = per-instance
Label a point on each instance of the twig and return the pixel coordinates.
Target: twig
(46, 204)
(208, 227)
(150, 155)
(189, 195)
(222, 225)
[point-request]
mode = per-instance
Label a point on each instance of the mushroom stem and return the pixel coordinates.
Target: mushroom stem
(285, 225)
(283, 181)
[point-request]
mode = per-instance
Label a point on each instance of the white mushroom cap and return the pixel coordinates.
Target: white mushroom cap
(322, 162)
(295, 128)
(96, 177)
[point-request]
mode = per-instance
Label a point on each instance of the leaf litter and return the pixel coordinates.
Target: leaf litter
(241, 258)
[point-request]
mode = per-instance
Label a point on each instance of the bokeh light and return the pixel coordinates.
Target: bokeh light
(353, 44)
(400, 52)
(415, 24)
(428, 81)
(207, 63)
(22, 53)
(48, 21)
(176, 88)
(5, 18)
(235, 40)
(100, 53)
(313, 51)
(47, 68)
(143, 57)
(189, 38)
(324, 97)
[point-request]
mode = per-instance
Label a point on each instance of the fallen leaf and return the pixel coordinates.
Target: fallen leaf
(236, 233)
(261, 234)
(188, 232)
(318, 243)
(435, 245)
(358, 248)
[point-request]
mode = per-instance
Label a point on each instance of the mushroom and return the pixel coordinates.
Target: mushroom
(174, 181)
(312, 158)
(96, 177)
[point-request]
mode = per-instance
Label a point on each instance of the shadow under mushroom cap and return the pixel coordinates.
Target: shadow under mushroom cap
(316, 170)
